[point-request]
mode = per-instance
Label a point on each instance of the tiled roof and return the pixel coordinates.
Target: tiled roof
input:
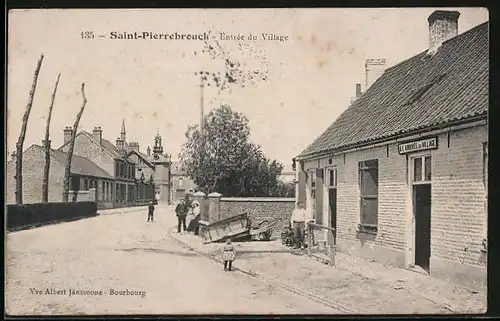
(421, 92)
(79, 165)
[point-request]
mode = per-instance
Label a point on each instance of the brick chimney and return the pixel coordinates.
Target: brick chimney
(134, 146)
(68, 131)
(358, 90)
(120, 143)
(443, 25)
(97, 134)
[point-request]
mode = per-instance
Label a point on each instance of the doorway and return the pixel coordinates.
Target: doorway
(332, 199)
(422, 214)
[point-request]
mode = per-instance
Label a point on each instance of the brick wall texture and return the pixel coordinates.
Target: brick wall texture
(259, 210)
(87, 147)
(33, 164)
(458, 210)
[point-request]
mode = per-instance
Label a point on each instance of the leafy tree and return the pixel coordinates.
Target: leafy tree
(222, 158)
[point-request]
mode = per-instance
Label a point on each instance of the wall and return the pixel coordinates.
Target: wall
(22, 216)
(87, 147)
(458, 210)
(388, 243)
(259, 209)
(459, 213)
(33, 165)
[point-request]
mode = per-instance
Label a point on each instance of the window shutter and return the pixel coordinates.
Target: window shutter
(302, 187)
(319, 195)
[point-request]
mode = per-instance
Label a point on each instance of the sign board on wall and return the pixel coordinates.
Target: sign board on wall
(424, 144)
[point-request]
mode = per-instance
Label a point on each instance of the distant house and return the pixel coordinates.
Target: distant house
(402, 173)
(287, 174)
(181, 183)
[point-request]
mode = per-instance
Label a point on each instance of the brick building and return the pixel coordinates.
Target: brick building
(83, 173)
(402, 173)
(114, 175)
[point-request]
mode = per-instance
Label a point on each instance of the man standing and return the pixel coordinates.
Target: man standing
(181, 212)
(151, 210)
(299, 224)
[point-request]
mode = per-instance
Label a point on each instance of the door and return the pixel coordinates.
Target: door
(422, 212)
(332, 199)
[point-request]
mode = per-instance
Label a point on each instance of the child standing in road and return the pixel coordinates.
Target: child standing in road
(228, 255)
(151, 210)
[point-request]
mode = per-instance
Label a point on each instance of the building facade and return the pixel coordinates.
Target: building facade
(85, 175)
(402, 173)
(182, 184)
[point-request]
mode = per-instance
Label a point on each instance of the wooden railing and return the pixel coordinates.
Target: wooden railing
(329, 242)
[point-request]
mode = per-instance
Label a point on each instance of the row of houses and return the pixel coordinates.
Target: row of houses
(402, 174)
(112, 174)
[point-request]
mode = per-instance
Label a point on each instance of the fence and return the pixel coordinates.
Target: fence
(321, 240)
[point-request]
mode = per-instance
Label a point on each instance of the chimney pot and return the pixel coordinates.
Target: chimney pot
(68, 131)
(443, 25)
(97, 134)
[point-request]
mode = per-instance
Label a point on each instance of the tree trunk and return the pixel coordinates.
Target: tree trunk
(45, 184)
(67, 172)
(20, 142)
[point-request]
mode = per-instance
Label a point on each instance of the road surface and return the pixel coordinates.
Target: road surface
(121, 264)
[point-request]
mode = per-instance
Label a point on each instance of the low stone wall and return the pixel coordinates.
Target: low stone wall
(259, 209)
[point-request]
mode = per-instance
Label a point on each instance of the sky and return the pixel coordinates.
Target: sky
(310, 78)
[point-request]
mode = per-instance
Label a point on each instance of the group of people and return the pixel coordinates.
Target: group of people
(182, 210)
(297, 224)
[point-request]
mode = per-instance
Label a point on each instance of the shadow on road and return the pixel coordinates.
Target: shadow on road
(159, 251)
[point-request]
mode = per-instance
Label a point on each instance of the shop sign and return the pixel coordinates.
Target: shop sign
(424, 144)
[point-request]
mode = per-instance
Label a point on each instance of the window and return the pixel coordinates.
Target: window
(85, 184)
(181, 182)
(103, 189)
(332, 178)
(422, 169)
(368, 181)
(312, 184)
(312, 177)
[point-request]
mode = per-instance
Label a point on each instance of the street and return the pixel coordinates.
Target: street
(130, 266)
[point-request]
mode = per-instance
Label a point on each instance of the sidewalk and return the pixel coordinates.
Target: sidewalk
(354, 285)
(122, 210)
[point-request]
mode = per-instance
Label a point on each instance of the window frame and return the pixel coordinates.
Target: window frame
(367, 165)
(331, 169)
(423, 177)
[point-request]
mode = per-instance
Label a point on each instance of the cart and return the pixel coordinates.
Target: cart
(237, 227)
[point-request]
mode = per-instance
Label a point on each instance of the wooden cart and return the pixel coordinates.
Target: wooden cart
(237, 228)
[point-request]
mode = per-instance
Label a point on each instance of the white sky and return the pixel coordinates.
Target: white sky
(151, 83)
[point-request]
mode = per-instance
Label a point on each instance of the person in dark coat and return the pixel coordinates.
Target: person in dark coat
(151, 210)
(181, 211)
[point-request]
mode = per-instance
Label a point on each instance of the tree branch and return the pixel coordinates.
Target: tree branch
(45, 184)
(22, 135)
(67, 172)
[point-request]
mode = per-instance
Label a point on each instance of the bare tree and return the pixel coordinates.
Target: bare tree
(67, 172)
(20, 142)
(45, 184)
